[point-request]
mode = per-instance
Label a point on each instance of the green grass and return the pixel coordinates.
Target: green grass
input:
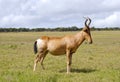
(99, 62)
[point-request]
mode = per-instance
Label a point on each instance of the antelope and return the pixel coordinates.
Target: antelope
(61, 45)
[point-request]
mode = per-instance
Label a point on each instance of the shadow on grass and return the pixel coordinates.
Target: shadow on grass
(79, 70)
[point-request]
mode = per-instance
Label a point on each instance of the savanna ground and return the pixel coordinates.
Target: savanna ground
(99, 62)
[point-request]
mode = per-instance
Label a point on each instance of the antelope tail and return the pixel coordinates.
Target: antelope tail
(35, 47)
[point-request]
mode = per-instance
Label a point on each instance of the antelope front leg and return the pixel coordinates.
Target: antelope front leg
(69, 61)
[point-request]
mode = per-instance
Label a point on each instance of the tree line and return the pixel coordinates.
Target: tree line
(72, 28)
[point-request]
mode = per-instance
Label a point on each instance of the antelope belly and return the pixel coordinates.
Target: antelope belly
(57, 50)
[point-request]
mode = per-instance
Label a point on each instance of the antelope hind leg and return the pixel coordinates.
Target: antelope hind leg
(38, 58)
(42, 59)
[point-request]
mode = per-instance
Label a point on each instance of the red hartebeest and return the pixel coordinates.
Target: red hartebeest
(61, 45)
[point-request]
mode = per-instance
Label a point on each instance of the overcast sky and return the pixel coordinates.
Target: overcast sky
(56, 13)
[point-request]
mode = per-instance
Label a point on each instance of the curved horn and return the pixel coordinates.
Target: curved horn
(87, 24)
(86, 21)
(89, 21)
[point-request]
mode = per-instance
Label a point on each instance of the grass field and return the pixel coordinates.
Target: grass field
(99, 62)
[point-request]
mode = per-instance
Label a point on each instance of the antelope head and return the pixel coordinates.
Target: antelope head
(86, 30)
